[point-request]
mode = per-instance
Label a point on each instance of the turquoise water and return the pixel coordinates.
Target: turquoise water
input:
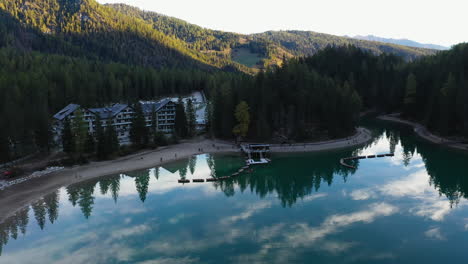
(301, 208)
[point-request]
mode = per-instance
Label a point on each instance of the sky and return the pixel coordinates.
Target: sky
(426, 21)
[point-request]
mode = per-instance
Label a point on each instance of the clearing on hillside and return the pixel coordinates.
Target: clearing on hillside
(246, 57)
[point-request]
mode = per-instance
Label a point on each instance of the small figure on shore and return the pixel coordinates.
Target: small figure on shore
(175, 155)
(161, 159)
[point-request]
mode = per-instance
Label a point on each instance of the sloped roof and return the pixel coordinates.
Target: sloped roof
(148, 107)
(66, 111)
(109, 112)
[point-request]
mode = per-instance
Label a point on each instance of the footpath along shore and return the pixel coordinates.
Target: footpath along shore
(361, 136)
(14, 197)
(422, 131)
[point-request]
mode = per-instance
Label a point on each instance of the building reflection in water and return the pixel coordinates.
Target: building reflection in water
(446, 170)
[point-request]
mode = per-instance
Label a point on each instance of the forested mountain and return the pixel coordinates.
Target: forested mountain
(54, 52)
(124, 34)
(267, 48)
(84, 28)
(306, 43)
(404, 42)
(197, 37)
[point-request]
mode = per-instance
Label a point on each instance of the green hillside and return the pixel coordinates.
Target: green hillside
(305, 43)
(264, 49)
(85, 28)
(128, 35)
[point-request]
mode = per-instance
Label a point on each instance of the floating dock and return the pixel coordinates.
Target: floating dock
(256, 153)
(198, 180)
(343, 160)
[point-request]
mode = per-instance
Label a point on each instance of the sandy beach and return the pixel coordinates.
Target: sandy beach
(17, 196)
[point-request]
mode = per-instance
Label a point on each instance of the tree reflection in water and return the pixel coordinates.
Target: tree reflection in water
(447, 171)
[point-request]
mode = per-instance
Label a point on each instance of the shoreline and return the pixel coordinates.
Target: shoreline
(361, 136)
(18, 196)
(424, 133)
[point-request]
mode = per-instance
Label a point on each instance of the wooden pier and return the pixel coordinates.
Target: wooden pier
(256, 153)
(343, 160)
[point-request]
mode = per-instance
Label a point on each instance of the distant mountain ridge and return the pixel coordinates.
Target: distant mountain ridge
(404, 42)
(128, 35)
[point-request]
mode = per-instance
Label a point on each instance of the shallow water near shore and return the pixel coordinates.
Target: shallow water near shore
(301, 208)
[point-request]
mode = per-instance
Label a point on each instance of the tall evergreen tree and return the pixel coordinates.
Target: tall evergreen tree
(191, 118)
(154, 127)
(112, 140)
(180, 124)
(447, 96)
(43, 135)
(101, 145)
(138, 129)
(410, 93)
(209, 119)
(80, 132)
(68, 138)
(243, 118)
(90, 144)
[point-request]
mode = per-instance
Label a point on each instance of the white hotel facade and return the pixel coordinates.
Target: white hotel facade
(120, 116)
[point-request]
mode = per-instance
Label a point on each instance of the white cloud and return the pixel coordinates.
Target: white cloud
(435, 233)
(415, 185)
(176, 219)
(433, 209)
(131, 231)
(314, 197)
(248, 212)
(269, 232)
(362, 194)
(305, 234)
(184, 260)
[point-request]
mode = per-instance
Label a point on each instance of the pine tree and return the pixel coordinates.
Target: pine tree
(410, 94)
(43, 135)
(243, 118)
(112, 140)
(101, 148)
(447, 96)
(80, 131)
(191, 118)
(138, 129)
(90, 144)
(154, 127)
(68, 139)
(180, 124)
(209, 119)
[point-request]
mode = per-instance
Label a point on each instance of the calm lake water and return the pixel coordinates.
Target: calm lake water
(301, 208)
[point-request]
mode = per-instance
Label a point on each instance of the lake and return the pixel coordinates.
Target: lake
(300, 208)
